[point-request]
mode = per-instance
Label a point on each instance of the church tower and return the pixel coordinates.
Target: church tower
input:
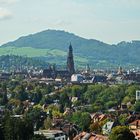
(70, 62)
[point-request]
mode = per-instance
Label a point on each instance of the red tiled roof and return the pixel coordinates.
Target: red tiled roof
(135, 122)
(92, 137)
(136, 133)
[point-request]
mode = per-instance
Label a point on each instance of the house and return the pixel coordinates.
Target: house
(108, 127)
(102, 117)
(137, 134)
(74, 99)
(135, 128)
(133, 76)
(89, 136)
(5, 76)
(68, 111)
(53, 73)
(123, 106)
(99, 79)
(134, 125)
(52, 134)
(137, 95)
(71, 130)
(97, 117)
(77, 78)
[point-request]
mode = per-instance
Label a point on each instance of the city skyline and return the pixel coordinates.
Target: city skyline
(110, 21)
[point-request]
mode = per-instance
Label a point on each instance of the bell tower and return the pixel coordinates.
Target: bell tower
(70, 62)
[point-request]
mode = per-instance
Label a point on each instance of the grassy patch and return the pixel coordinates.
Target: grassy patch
(53, 55)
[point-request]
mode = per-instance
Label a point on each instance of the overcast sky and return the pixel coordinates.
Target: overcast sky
(110, 21)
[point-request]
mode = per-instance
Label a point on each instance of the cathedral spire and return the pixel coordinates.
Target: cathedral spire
(70, 62)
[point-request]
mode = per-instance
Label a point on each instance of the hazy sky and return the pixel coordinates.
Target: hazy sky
(110, 21)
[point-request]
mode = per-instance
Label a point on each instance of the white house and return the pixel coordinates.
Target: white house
(52, 134)
(77, 78)
(137, 95)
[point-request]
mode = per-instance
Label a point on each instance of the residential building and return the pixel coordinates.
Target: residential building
(52, 134)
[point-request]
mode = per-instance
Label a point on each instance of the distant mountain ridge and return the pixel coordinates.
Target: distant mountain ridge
(55, 43)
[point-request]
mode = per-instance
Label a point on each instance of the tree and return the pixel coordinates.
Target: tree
(95, 126)
(47, 123)
(35, 114)
(38, 137)
(123, 119)
(121, 133)
(137, 106)
(131, 92)
(4, 99)
(21, 93)
(77, 90)
(1, 134)
(16, 128)
(64, 101)
(82, 119)
(25, 129)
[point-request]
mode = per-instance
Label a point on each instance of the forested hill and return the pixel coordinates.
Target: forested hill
(54, 39)
(12, 62)
(53, 46)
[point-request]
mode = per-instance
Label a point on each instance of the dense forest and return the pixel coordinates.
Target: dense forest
(14, 62)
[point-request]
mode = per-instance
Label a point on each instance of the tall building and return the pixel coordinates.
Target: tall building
(70, 62)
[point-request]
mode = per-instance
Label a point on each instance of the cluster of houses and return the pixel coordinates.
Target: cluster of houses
(51, 75)
(63, 130)
(109, 77)
(132, 120)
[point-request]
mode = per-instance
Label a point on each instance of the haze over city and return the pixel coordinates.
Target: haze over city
(110, 21)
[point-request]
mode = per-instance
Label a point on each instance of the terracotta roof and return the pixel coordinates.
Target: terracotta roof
(89, 136)
(135, 122)
(101, 117)
(136, 133)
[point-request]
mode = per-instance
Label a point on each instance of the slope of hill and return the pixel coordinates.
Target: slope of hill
(52, 45)
(12, 62)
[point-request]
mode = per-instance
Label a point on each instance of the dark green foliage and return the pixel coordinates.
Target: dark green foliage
(4, 99)
(82, 119)
(121, 133)
(123, 119)
(37, 116)
(12, 62)
(137, 106)
(64, 101)
(16, 128)
(1, 133)
(98, 97)
(48, 123)
(20, 93)
(39, 137)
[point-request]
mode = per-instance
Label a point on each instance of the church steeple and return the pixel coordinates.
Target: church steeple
(70, 62)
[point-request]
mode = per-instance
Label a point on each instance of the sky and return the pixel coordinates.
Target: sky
(110, 21)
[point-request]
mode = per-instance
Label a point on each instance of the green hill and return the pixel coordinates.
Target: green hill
(52, 45)
(12, 62)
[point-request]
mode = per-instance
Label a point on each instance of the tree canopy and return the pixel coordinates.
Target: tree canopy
(121, 133)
